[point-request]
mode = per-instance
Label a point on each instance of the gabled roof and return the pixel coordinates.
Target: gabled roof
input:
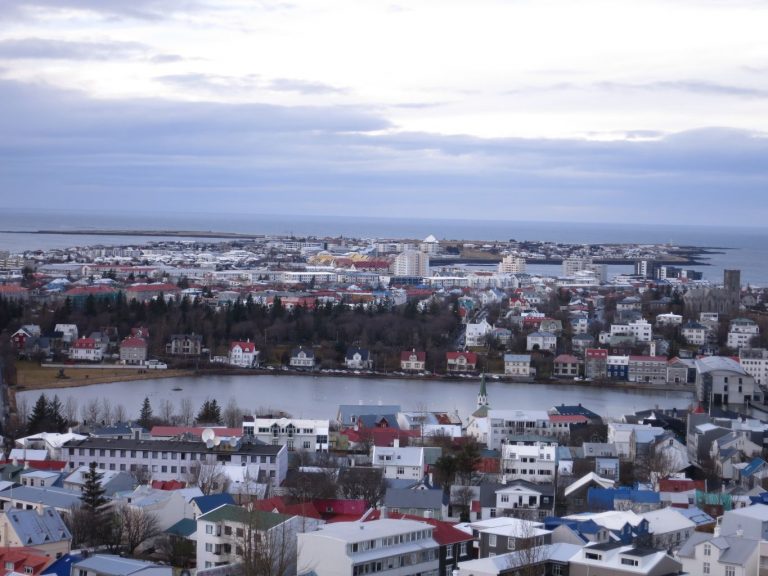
(33, 528)
(232, 513)
(185, 528)
(586, 480)
(212, 501)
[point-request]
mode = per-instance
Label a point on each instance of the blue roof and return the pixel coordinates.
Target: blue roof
(212, 501)
(63, 565)
(604, 498)
(753, 467)
(372, 420)
(184, 527)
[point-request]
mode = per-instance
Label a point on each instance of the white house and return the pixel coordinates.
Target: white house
(406, 462)
(302, 357)
(529, 458)
(69, 332)
(741, 332)
(294, 433)
(476, 333)
(517, 364)
(243, 354)
(725, 555)
(695, 333)
(86, 349)
(541, 341)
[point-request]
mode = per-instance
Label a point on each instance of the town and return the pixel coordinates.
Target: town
(228, 490)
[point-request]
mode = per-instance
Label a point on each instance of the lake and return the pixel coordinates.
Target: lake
(319, 397)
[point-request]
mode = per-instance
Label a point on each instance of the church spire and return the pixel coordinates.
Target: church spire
(482, 397)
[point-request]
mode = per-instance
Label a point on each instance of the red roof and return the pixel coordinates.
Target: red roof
(90, 290)
(133, 342)
(51, 465)
(444, 533)
(380, 436)
(567, 359)
(333, 508)
(673, 485)
(406, 355)
(574, 418)
(245, 346)
(471, 357)
(596, 353)
(84, 343)
(12, 289)
(20, 558)
(278, 504)
(168, 484)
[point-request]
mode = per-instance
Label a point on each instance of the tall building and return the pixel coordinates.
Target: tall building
(512, 264)
(412, 263)
(732, 281)
(573, 265)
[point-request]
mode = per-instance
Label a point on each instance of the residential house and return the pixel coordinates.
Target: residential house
(112, 481)
(23, 334)
(40, 527)
(189, 345)
(618, 559)
(722, 381)
(352, 548)
(576, 493)
(400, 462)
(423, 503)
(730, 449)
(517, 365)
(506, 424)
(595, 363)
(413, 361)
(668, 528)
(243, 354)
(755, 363)
(502, 535)
(695, 333)
(68, 333)
(618, 367)
(358, 359)
(27, 561)
(544, 341)
(523, 499)
(748, 522)
(86, 349)
(741, 333)
(133, 350)
(731, 555)
(651, 369)
(669, 319)
(531, 458)
(34, 497)
(460, 362)
(550, 559)
(302, 357)
(476, 333)
(294, 433)
(566, 366)
(624, 526)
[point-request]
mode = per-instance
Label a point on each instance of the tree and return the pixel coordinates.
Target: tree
(208, 476)
(267, 545)
(308, 486)
(467, 461)
(363, 483)
(138, 526)
(176, 550)
(233, 414)
(145, 416)
(210, 413)
(94, 507)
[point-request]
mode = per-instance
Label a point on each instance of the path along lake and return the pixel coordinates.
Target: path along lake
(306, 396)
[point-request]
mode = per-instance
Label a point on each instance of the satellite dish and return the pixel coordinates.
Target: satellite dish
(209, 443)
(208, 434)
(216, 441)
(233, 442)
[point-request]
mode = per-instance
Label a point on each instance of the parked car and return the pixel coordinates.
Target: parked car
(156, 365)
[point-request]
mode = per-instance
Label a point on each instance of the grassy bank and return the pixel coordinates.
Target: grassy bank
(33, 376)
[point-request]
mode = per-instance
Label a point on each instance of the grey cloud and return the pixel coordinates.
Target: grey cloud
(64, 149)
(47, 48)
(139, 9)
(701, 87)
(166, 58)
(304, 86)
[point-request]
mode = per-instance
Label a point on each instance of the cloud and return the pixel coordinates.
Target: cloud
(137, 9)
(62, 149)
(166, 58)
(52, 49)
(304, 86)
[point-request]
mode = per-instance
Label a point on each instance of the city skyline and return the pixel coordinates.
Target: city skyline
(527, 111)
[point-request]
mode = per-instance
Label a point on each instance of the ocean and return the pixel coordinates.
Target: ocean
(741, 248)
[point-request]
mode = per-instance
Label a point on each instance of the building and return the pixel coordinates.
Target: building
(502, 535)
(512, 264)
(185, 345)
(517, 365)
(39, 527)
(730, 555)
(545, 341)
(112, 565)
(411, 263)
(476, 333)
(755, 363)
(293, 433)
(695, 333)
(741, 333)
(526, 500)
(507, 424)
(413, 361)
(386, 545)
(302, 357)
(619, 559)
(87, 350)
(133, 351)
(175, 459)
(723, 381)
(243, 354)
(400, 462)
(358, 359)
(595, 363)
(531, 458)
(461, 361)
(567, 366)
(647, 369)
(618, 367)
(640, 329)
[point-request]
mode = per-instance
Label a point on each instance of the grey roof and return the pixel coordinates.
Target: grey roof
(713, 363)
(405, 498)
(172, 446)
(733, 549)
(346, 411)
(118, 566)
(35, 528)
(56, 497)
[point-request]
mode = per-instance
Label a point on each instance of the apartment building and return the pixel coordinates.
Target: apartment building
(293, 433)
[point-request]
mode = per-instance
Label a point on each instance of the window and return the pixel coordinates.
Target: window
(492, 540)
(209, 528)
(400, 470)
(511, 542)
(208, 547)
(557, 570)
(705, 568)
(629, 562)
(730, 571)
(707, 550)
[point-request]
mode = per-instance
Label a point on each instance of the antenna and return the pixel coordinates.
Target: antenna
(208, 434)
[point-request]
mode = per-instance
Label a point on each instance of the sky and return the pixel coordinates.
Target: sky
(622, 110)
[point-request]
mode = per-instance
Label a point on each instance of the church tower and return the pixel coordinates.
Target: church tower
(482, 396)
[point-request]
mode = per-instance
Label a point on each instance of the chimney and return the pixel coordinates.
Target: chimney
(382, 513)
(396, 443)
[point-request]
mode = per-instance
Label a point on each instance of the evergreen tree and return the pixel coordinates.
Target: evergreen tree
(55, 415)
(93, 498)
(145, 416)
(210, 412)
(38, 420)
(94, 510)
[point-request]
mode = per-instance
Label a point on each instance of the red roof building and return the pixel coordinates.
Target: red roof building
(29, 561)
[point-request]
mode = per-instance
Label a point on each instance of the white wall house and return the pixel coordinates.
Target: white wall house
(405, 462)
(243, 354)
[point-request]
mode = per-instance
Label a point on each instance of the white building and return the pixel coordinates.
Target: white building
(541, 341)
(512, 264)
(517, 364)
(755, 363)
(411, 263)
(86, 349)
(721, 555)
(476, 333)
(741, 332)
(69, 332)
(695, 333)
(397, 547)
(721, 381)
(293, 433)
(505, 424)
(669, 319)
(640, 329)
(529, 458)
(243, 354)
(406, 462)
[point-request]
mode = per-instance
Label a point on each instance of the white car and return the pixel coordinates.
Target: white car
(156, 365)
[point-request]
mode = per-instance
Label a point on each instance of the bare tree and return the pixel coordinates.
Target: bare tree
(138, 526)
(461, 498)
(233, 414)
(141, 475)
(22, 410)
(186, 411)
(70, 409)
(120, 413)
(106, 410)
(363, 483)
(266, 548)
(528, 556)
(176, 550)
(90, 412)
(166, 411)
(208, 476)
